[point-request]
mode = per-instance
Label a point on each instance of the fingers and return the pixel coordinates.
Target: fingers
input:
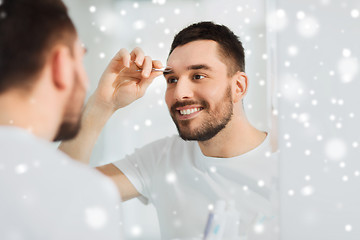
(146, 67)
(122, 56)
(137, 56)
(157, 64)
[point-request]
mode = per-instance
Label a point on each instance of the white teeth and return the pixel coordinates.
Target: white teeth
(189, 111)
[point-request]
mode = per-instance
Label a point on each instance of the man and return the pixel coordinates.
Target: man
(42, 89)
(223, 158)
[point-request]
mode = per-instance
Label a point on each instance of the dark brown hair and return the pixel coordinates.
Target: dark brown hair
(29, 29)
(231, 49)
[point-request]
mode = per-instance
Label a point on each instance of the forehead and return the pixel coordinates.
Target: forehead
(201, 51)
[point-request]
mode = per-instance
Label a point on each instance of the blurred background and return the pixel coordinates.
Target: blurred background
(303, 68)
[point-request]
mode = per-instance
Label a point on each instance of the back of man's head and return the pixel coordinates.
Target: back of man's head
(29, 29)
(230, 47)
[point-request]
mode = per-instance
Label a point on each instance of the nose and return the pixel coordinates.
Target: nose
(183, 90)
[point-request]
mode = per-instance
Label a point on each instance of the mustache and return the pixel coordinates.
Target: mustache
(203, 103)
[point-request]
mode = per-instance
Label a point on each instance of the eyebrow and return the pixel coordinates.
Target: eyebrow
(191, 67)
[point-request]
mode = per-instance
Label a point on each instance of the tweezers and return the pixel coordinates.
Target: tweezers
(167, 69)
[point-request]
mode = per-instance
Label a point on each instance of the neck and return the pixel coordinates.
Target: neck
(28, 112)
(237, 138)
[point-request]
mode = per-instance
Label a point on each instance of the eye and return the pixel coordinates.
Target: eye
(198, 76)
(171, 80)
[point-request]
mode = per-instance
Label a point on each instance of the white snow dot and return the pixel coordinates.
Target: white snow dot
(335, 149)
(307, 178)
(348, 228)
(346, 52)
(177, 11)
(319, 137)
(21, 168)
(95, 217)
(213, 169)
(348, 67)
(210, 207)
(356, 173)
(123, 12)
(148, 122)
(286, 136)
(161, 20)
(291, 192)
(307, 190)
(342, 165)
(139, 24)
(300, 15)
(293, 50)
(261, 82)
(351, 115)
(92, 9)
(277, 20)
(259, 228)
(167, 31)
(345, 178)
(264, 56)
(136, 231)
(101, 55)
(138, 40)
(355, 13)
(171, 177)
(102, 28)
(239, 9)
(261, 183)
(280, 13)
(161, 45)
(307, 152)
(338, 125)
(355, 144)
(314, 102)
(287, 63)
(136, 127)
(161, 2)
(136, 5)
(245, 188)
(308, 27)
(288, 144)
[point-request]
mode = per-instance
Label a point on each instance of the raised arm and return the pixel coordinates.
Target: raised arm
(120, 85)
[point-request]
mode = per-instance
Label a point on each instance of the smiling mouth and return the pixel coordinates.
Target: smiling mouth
(189, 111)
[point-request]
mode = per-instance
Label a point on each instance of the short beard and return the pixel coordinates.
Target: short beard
(212, 124)
(67, 131)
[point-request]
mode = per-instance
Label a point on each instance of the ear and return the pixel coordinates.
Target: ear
(61, 63)
(240, 82)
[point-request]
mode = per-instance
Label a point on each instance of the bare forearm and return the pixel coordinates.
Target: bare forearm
(93, 120)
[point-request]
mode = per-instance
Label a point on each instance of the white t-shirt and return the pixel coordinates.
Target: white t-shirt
(45, 195)
(183, 184)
